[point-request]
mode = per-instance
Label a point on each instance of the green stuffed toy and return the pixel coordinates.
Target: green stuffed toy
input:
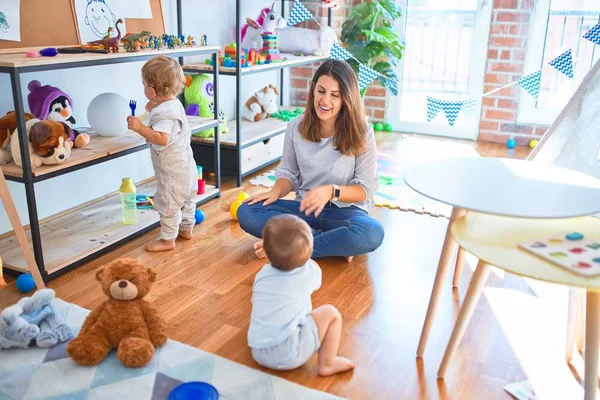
(199, 101)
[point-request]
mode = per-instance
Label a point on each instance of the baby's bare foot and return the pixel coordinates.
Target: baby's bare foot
(160, 245)
(187, 235)
(338, 364)
(258, 249)
(349, 258)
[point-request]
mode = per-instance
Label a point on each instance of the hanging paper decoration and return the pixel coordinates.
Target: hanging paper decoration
(340, 53)
(365, 76)
(593, 35)
(433, 108)
(298, 14)
(564, 63)
(531, 83)
(469, 107)
(451, 108)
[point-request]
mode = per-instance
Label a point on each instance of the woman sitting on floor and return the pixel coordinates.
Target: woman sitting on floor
(330, 160)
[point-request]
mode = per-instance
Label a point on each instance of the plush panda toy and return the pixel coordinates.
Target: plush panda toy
(51, 103)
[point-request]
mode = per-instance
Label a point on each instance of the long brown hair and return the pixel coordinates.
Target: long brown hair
(350, 125)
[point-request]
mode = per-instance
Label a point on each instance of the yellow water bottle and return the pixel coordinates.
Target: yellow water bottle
(128, 202)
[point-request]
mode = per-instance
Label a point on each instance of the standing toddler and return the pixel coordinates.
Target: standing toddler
(284, 329)
(168, 135)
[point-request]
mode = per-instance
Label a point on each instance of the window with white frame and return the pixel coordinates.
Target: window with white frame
(557, 26)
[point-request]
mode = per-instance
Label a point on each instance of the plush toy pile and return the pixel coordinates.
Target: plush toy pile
(33, 321)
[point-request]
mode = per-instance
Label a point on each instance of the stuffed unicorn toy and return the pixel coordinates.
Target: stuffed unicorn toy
(267, 21)
(291, 39)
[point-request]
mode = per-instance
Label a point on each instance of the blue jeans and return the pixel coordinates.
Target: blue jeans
(337, 231)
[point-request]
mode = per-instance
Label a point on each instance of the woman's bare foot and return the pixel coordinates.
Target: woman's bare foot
(349, 258)
(337, 364)
(187, 235)
(160, 245)
(258, 249)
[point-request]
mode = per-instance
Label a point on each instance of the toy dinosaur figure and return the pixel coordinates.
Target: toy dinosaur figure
(109, 33)
(135, 41)
(111, 44)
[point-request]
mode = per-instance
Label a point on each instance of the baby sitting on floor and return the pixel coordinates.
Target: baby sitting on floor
(284, 329)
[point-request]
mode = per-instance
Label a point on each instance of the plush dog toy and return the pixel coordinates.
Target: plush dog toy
(48, 143)
(125, 321)
(262, 104)
(8, 124)
(51, 103)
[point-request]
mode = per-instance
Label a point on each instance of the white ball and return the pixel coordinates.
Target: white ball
(107, 114)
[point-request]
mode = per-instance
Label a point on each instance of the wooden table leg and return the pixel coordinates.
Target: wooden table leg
(466, 311)
(592, 338)
(440, 277)
(460, 260)
(15, 221)
(574, 311)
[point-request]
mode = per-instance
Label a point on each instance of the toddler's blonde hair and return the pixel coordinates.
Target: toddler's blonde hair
(287, 241)
(164, 75)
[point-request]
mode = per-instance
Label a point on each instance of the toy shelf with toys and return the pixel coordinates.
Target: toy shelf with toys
(250, 146)
(76, 235)
(70, 238)
(99, 150)
(288, 60)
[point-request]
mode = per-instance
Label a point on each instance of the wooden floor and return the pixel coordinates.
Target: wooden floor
(204, 290)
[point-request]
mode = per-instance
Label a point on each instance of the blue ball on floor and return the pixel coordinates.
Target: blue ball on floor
(199, 216)
(511, 143)
(25, 283)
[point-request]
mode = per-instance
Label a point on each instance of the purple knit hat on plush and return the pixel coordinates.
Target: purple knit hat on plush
(40, 97)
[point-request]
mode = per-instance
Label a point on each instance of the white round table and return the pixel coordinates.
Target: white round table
(507, 187)
(499, 186)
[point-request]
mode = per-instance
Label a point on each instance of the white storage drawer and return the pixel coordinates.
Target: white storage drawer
(262, 152)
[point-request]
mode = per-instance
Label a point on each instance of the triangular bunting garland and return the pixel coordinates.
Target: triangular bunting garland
(531, 83)
(469, 107)
(564, 63)
(593, 35)
(452, 108)
(365, 76)
(433, 108)
(298, 14)
(340, 53)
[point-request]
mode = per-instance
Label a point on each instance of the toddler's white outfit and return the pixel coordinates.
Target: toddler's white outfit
(282, 333)
(175, 170)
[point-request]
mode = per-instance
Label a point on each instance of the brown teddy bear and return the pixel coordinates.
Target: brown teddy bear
(124, 322)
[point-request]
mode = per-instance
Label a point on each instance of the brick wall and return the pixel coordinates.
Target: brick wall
(376, 96)
(510, 25)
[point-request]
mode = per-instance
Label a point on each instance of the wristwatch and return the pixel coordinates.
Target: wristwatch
(336, 193)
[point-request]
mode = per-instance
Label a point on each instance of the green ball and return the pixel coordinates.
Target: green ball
(378, 126)
(387, 127)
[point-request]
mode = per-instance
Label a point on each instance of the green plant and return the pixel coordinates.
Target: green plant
(369, 35)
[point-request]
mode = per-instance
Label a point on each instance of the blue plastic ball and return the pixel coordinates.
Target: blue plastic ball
(199, 216)
(511, 143)
(25, 283)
